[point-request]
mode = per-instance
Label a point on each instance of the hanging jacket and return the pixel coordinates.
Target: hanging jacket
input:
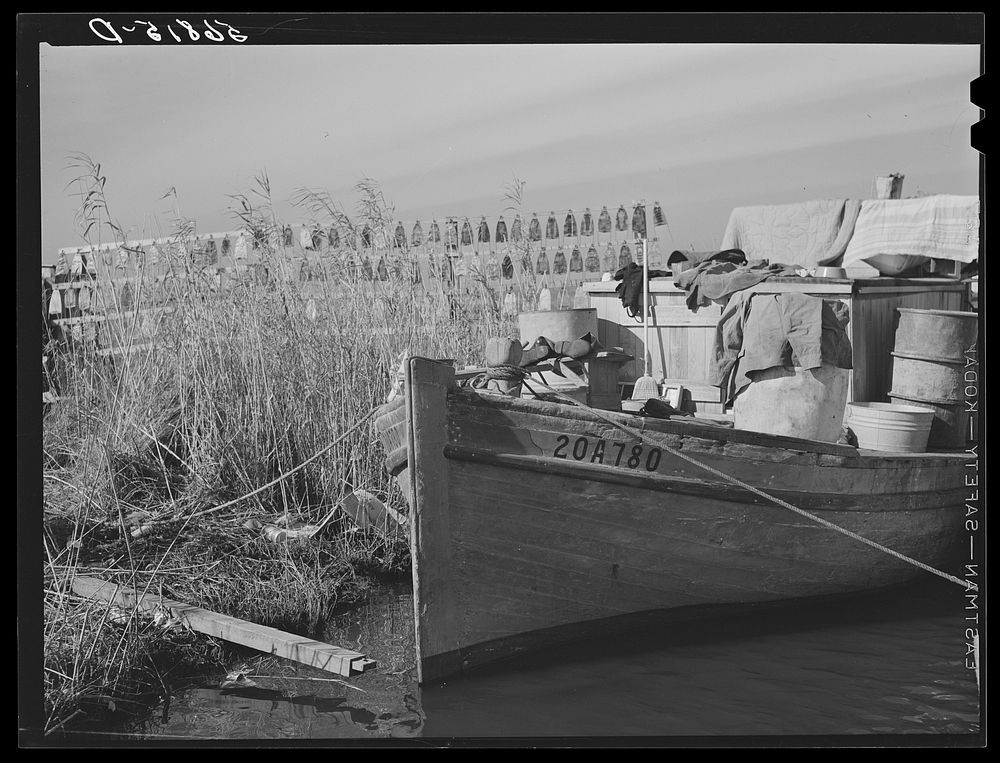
(621, 219)
(125, 300)
(760, 331)
(545, 298)
(576, 261)
(366, 236)
(559, 262)
(492, 267)
(526, 262)
(317, 239)
(510, 303)
(587, 226)
(500, 233)
(417, 236)
(484, 232)
(593, 262)
(225, 245)
(333, 238)
(610, 259)
(435, 233)
(507, 268)
(466, 233)
(552, 227)
(639, 221)
(287, 235)
(55, 303)
(569, 227)
(516, 232)
(658, 217)
(542, 263)
(383, 271)
(604, 221)
(624, 256)
(534, 229)
(400, 238)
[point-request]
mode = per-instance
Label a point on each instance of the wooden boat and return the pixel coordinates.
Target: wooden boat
(533, 521)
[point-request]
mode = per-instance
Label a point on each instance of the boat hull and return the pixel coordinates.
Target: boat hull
(534, 521)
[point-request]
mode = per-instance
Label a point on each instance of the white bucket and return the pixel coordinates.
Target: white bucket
(890, 427)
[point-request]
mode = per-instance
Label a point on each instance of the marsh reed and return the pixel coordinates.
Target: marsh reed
(223, 383)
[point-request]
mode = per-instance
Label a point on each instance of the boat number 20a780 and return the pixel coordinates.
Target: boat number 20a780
(603, 452)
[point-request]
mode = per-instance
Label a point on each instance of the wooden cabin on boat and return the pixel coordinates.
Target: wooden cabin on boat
(682, 340)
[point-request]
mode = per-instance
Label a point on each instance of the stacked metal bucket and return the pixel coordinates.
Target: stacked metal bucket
(929, 369)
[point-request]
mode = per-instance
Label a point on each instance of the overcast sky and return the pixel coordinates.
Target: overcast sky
(444, 129)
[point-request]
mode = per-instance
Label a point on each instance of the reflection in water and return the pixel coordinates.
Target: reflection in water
(255, 713)
(892, 663)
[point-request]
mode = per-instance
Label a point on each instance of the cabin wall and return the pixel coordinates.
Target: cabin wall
(682, 341)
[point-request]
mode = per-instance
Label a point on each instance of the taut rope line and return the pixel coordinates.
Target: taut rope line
(784, 504)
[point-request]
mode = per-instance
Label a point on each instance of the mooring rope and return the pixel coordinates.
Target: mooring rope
(506, 372)
(757, 491)
(276, 480)
(292, 471)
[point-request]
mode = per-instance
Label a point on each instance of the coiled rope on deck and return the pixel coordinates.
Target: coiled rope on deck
(500, 372)
(757, 491)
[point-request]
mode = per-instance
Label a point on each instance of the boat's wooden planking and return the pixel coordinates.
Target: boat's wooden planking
(520, 530)
(817, 472)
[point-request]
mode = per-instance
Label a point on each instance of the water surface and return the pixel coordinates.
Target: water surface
(885, 664)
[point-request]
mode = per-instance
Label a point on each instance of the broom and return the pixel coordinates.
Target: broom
(645, 386)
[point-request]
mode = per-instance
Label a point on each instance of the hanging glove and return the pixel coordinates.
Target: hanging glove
(630, 288)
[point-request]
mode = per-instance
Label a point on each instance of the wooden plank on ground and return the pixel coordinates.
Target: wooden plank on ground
(110, 351)
(333, 659)
(100, 317)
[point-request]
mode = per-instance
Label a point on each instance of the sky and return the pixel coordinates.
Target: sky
(445, 129)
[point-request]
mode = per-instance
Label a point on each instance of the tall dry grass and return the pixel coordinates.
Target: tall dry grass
(227, 383)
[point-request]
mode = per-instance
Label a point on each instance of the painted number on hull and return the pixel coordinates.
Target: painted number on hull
(603, 452)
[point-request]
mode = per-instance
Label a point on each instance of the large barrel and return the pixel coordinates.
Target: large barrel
(929, 369)
(937, 335)
(932, 380)
(950, 428)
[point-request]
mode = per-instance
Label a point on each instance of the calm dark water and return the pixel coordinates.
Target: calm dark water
(886, 664)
